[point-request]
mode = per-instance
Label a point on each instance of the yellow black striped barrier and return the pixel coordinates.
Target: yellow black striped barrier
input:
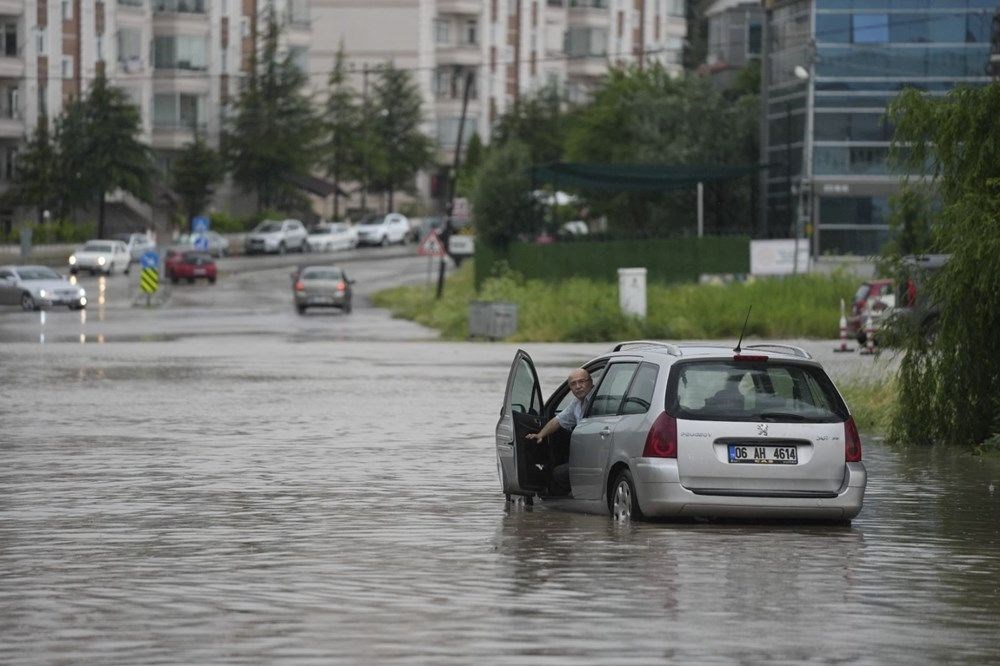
(149, 280)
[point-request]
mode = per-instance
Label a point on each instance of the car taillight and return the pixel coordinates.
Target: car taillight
(299, 286)
(852, 441)
(341, 286)
(661, 442)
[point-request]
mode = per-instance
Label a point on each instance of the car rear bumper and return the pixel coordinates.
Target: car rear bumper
(660, 493)
(319, 301)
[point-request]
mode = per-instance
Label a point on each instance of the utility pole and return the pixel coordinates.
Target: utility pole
(450, 206)
(364, 103)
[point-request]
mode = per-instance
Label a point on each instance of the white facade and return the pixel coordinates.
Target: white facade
(511, 47)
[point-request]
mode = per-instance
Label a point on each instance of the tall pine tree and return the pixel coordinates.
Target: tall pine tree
(344, 144)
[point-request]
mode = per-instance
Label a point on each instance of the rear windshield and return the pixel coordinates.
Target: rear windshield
(320, 274)
(767, 391)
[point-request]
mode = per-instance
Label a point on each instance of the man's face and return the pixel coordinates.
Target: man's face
(580, 384)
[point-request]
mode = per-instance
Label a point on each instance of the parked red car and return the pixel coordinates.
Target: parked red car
(189, 265)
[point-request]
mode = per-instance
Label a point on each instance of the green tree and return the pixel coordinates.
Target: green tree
(502, 204)
(194, 175)
(539, 122)
(466, 180)
(910, 221)
(649, 116)
(100, 150)
(274, 132)
(36, 176)
(397, 147)
(344, 144)
(950, 384)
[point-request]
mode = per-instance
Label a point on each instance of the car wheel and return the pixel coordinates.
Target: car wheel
(27, 302)
(301, 309)
(624, 504)
(384, 241)
(190, 280)
(127, 268)
(174, 279)
(281, 247)
(211, 280)
(305, 248)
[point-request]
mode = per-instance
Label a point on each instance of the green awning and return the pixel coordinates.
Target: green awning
(635, 177)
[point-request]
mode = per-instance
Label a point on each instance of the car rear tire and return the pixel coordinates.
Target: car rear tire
(211, 280)
(281, 247)
(384, 242)
(174, 279)
(624, 503)
(127, 269)
(28, 302)
(348, 307)
(301, 309)
(190, 280)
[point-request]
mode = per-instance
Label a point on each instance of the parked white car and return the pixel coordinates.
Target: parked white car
(218, 245)
(384, 229)
(101, 256)
(332, 236)
(137, 244)
(33, 287)
(278, 236)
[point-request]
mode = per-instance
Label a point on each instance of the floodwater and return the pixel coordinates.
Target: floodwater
(278, 497)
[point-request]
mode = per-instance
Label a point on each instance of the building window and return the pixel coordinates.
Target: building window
(180, 52)
(11, 103)
(8, 35)
(298, 12)
(753, 38)
(178, 111)
(67, 10)
(586, 41)
(67, 67)
(130, 49)
(40, 40)
(870, 28)
(299, 56)
(441, 32)
(43, 98)
(179, 6)
(471, 34)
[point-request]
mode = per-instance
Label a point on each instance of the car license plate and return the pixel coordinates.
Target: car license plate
(199, 271)
(321, 300)
(763, 454)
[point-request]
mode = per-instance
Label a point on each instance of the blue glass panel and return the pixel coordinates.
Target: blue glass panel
(977, 28)
(862, 242)
(946, 28)
(853, 210)
(870, 28)
(834, 28)
(850, 160)
(945, 62)
(851, 127)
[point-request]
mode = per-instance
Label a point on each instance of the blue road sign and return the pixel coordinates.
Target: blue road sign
(149, 259)
(200, 224)
(201, 242)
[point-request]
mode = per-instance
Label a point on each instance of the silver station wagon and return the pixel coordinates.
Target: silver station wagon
(689, 431)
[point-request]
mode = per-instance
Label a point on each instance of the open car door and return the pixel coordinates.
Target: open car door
(521, 414)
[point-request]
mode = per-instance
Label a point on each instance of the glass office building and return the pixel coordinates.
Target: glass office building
(831, 68)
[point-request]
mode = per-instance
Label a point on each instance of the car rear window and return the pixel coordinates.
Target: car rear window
(757, 391)
(320, 274)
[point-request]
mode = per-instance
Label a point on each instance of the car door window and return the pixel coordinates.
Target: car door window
(523, 396)
(640, 393)
(611, 392)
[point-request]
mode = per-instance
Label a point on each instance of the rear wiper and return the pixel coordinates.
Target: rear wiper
(782, 416)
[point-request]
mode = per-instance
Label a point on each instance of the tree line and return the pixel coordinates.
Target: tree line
(367, 140)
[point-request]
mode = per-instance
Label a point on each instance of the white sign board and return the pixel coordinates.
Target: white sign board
(777, 257)
(461, 244)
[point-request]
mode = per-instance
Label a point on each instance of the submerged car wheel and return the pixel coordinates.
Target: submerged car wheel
(624, 504)
(27, 301)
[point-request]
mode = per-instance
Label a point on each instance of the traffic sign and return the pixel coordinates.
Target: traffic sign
(431, 246)
(149, 280)
(201, 242)
(200, 224)
(149, 259)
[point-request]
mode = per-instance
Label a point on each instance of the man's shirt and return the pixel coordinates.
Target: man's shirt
(569, 417)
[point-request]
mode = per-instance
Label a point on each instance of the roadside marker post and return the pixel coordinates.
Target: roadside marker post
(843, 331)
(149, 277)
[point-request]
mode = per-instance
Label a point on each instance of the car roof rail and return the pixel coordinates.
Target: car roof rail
(673, 350)
(781, 349)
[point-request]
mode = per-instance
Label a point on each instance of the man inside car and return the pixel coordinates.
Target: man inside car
(582, 387)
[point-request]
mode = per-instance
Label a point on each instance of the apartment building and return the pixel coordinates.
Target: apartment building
(179, 61)
(830, 69)
(735, 29)
(509, 47)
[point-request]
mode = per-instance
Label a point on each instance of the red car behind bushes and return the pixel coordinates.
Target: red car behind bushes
(188, 265)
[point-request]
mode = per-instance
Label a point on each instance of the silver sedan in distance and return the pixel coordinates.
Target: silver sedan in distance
(34, 287)
(321, 287)
(688, 431)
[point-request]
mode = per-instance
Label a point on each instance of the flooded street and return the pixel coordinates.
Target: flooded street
(223, 481)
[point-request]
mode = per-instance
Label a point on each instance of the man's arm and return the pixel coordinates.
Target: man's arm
(546, 430)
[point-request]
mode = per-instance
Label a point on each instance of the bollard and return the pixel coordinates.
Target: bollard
(843, 331)
(869, 348)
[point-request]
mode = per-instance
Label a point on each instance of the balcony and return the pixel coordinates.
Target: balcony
(11, 123)
(459, 54)
(459, 7)
(587, 67)
(179, 6)
(12, 67)
(11, 7)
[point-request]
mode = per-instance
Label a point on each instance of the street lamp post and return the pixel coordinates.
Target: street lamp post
(802, 74)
